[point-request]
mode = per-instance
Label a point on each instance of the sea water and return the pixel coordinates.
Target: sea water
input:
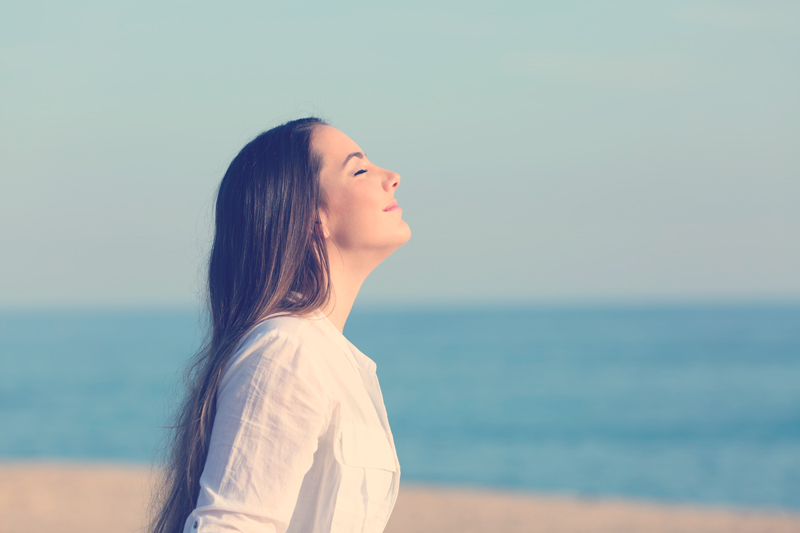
(685, 404)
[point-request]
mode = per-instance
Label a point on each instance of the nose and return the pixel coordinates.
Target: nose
(392, 179)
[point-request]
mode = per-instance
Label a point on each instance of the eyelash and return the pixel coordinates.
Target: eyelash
(359, 172)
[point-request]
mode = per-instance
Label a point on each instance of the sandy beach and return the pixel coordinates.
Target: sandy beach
(89, 498)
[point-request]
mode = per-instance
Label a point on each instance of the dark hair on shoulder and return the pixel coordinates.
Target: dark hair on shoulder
(268, 258)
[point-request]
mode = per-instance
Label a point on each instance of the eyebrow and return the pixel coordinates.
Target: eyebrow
(354, 154)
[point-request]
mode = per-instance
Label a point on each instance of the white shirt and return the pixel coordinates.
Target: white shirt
(301, 441)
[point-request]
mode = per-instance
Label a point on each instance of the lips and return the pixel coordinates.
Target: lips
(391, 205)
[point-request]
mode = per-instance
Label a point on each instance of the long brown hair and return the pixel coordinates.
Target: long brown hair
(268, 258)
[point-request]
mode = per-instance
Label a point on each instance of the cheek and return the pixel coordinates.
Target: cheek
(356, 216)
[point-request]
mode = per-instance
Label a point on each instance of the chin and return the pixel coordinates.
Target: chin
(406, 234)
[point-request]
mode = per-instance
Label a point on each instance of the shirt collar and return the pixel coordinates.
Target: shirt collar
(354, 355)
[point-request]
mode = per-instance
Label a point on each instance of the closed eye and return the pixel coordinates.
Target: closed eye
(359, 172)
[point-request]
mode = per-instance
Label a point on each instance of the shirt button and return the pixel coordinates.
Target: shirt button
(195, 524)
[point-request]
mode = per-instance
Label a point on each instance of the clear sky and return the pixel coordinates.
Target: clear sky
(549, 151)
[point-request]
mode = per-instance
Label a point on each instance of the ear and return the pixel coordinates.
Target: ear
(322, 223)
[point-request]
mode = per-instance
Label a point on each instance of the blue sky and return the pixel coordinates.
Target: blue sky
(550, 152)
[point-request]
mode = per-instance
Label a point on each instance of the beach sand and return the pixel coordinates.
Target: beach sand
(67, 498)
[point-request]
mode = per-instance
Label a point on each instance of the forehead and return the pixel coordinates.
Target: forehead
(333, 145)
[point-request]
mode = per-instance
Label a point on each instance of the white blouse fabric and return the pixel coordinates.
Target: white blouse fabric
(301, 440)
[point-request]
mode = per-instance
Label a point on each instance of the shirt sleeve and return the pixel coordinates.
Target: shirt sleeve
(271, 411)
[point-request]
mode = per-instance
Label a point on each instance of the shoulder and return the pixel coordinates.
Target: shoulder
(280, 344)
(297, 331)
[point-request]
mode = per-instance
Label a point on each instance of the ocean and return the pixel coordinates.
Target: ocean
(693, 404)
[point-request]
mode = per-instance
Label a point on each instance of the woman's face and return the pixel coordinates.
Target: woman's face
(359, 214)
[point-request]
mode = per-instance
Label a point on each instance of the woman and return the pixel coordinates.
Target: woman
(284, 427)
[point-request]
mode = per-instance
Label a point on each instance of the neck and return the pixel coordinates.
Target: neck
(347, 276)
